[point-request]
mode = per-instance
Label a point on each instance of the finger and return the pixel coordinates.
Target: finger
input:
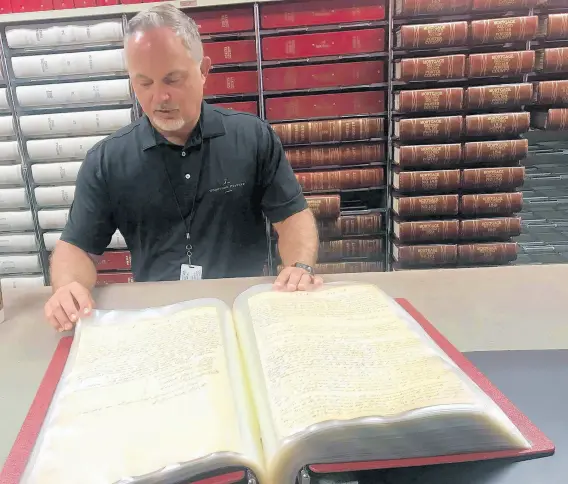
(52, 320)
(305, 283)
(317, 282)
(67, 302)
(84, 300)
(294, 279)
(62, 318)
(282, 279)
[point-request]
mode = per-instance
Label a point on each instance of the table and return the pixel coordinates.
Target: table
(477, 309)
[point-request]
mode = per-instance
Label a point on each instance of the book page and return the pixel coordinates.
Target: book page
(343, 353)
(140, 395)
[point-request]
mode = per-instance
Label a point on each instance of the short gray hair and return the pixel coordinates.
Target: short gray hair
(168, 16)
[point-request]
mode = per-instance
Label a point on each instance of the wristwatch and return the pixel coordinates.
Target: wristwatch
(307, 268)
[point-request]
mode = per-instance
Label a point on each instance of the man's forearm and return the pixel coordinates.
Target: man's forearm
(71, 264)
(298, 239)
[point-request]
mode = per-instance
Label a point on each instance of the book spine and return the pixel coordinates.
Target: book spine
(431, 156)
(552, 60)
(499, 124)
(330, 130)
(119, 260)
(493, 179)
(324, 75)
(230, 52)
(489, 253)
(341, 179)
(438, 181)
(446, 127)
(557, 26)
(346, 225)
(448, 99)
(345, 267)
(491, 204)
(432, 68)
(505, 95)
(324, 206)
(501, 64)
(557, 119)
(510, 29)
(243, 106)
(225, 83)
(325, 105)
(106, 278)
(552, 92)
(427, 231)
(334, 250)
(290, 14)
(237, 19)
(426, 255)
(495, 152)
(363, 41)
(503, 4)
(445, 34)
(431, 7)
(427, 205)
(352, 154)
(498, 228)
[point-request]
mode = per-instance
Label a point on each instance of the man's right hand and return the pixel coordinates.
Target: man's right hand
(67, 305)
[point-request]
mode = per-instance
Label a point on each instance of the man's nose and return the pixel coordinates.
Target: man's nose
(163, 95)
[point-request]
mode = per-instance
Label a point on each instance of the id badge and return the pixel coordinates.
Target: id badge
(190, 273)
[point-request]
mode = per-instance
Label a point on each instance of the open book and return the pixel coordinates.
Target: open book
(277, 382)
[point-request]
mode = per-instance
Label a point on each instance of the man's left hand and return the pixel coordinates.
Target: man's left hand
(296, 279)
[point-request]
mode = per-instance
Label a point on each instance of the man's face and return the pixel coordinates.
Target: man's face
(167, 81)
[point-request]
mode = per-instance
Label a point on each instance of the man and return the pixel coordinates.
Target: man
(187, 184)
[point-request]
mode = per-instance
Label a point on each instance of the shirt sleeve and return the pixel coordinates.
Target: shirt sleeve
(90, 225)
(282, 194)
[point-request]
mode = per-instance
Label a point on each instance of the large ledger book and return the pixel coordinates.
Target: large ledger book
(277, 382)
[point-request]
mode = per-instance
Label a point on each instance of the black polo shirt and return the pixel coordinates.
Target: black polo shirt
(233, 167)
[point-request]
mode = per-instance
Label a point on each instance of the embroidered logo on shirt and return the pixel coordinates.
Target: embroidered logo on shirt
(226, 187)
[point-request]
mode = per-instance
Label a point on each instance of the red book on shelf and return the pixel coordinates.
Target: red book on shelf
(129, 2)
(540, 445)
(244, 106)
(31, 5)
(239, 19)
(325, 105)
(230, 52)
(119, 260)
(320, 12)
(85, 3)
(106, 278)
(222, 83)
(345, 43)
(5, 6)
(103, 3)
(323, 75)
(63, 4)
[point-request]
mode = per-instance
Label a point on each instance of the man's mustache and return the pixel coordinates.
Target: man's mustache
(166, 107)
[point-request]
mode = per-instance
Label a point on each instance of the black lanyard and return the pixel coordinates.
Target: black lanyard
(186, 221)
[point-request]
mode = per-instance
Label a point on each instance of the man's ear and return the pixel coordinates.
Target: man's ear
(205, 67)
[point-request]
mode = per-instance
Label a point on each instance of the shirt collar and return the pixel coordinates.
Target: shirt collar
(210, 125)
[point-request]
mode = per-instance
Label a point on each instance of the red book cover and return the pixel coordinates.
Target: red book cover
(103, 3)
(541, 445)
(323, 75)
(5, 6)
(31, 5)
(129, 2)
(325, 105)
(106, 278)
(218, 21)
(63, 4)
(115, 261)
(243, 106)
(323, 44)
(230, 52)
(223, 83)
(85, 3)
(320, 12)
